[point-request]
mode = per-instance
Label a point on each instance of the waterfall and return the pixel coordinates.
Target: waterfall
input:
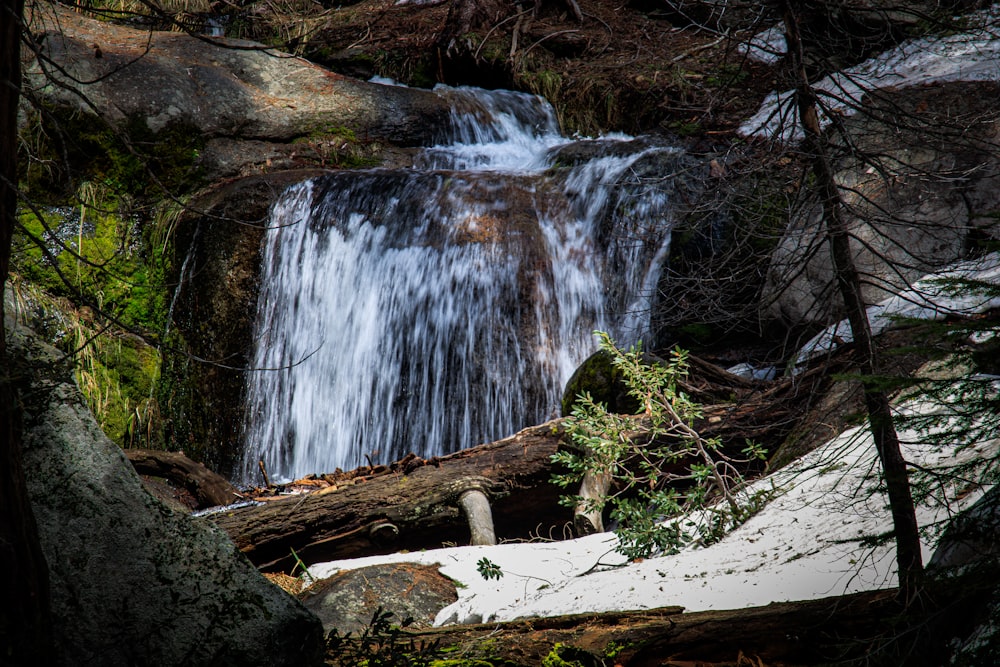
(445, 305)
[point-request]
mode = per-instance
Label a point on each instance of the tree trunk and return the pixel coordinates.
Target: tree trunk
(880, 419)
(24, 612)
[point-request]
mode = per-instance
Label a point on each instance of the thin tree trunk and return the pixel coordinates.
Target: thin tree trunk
(24, 615)
(880, 419)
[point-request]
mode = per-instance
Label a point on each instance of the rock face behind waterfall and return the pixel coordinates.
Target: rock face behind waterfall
(214, 310)
(133, 582)
(402, 302)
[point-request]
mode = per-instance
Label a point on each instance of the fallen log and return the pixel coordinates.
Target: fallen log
(415, 506)
(870, 627)
(208, 488)
(813, 632)
(415, 503)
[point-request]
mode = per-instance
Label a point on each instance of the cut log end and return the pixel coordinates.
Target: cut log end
(383, 533)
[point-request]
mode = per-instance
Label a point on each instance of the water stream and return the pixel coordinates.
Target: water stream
(437, 307)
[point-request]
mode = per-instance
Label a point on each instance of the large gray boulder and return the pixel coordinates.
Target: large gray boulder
(929, 195)
(221, 87)
(132, 581)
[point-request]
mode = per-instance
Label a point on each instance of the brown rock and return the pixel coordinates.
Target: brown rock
(347, 601)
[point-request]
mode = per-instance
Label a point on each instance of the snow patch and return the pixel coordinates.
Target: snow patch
(930, 298)
(971, 56)
(766, 47)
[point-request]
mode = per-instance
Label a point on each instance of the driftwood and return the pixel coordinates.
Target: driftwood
(208, 488)
(413, 504)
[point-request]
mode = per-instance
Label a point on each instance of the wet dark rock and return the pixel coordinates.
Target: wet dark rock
(972, 536)
(580, 152)
(598, 377)
(219, 239)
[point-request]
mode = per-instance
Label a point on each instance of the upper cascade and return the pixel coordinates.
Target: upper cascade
(497, 130)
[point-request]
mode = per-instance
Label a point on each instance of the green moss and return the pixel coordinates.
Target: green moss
(685, 128)
(327, 131)
(338, 147)
(728, 74)
(116, 375)
(94, 242)
(598, 377)
(131, 160)
(116, 372)
(563, 655)
(613, 649)
(546, 83)
(495, 49)
(482, 653)
(96, 255)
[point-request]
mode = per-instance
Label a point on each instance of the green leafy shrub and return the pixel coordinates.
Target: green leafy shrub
(661, 467)
(488, 569)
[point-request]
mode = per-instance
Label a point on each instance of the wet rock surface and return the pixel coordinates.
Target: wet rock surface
(347, 601)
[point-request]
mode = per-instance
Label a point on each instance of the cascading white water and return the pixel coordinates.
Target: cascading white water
(438, 307)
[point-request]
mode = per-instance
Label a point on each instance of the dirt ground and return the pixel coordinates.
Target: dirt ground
(619, 69)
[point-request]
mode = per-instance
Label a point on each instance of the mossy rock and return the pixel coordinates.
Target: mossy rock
(127, 158)
(598, 377)
(344, 602)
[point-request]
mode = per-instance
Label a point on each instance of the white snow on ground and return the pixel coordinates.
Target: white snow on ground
(767, 47)
(804, 544)
(972, 56)
(929, 298)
